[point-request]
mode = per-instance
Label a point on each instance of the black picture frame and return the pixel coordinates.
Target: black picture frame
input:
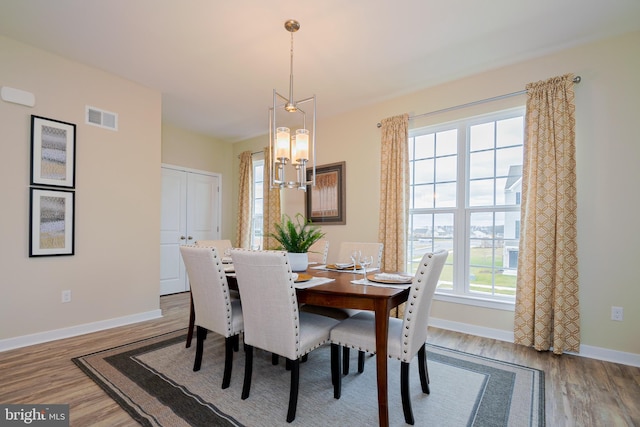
(51, 222)
(53, 153)
(326, 201)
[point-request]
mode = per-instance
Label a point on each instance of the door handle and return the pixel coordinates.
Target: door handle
(182, 237)
(189, 238)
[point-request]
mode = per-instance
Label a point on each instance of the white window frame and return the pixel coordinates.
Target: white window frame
(460, 292)
(256, 198)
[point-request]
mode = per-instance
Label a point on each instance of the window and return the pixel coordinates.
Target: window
(466, 182)
(257, 204)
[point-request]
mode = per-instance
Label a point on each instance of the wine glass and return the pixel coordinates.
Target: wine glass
(366, 261)
(355, 257)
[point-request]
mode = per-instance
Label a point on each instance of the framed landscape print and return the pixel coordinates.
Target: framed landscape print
(51, 222)
(53, 152)
(325, 203)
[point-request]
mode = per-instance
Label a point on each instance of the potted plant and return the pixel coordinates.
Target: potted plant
(296, 238)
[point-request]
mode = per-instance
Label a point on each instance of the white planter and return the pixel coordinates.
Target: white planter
(299, 262)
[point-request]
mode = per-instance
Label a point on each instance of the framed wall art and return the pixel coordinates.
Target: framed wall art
(52, 222)
(53, 152)
(326, 202)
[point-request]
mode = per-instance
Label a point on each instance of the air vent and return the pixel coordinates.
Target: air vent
(102, 118)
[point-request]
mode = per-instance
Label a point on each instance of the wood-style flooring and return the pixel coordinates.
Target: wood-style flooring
(579, 391)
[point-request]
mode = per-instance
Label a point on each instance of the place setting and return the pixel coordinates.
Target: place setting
(304, 280)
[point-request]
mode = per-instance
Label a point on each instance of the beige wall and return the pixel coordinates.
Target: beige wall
(115, 271)
(195, 151)
(607, 157)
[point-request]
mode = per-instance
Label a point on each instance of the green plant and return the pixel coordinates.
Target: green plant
(298, 236)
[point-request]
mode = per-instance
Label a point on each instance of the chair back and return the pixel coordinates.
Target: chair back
(318, 251)
(210, 290)
(418, 306)
(367, 249)
(269, 302)
(222, 246)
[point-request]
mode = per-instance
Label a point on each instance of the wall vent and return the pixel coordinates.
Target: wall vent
(102, 118)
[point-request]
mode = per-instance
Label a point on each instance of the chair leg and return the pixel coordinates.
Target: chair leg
(293, 393)
(336, 378)
(248, 369)
(404, 392)
(423, 370)
(360, 361)
(236, 343)
(345, 360)
(228, 360)
(192, 320)
(201, 333)
(274, 359)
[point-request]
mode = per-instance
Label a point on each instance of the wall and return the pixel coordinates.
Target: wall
(115, 272)
(607, 157)
(195, 151)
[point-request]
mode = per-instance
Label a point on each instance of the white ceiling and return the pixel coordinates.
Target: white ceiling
(216, 62)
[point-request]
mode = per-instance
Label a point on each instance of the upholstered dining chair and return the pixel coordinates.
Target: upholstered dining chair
(271, 317)
(318, 251)
(367, 249)
(215, 310)
(407, 336)
(222, 246)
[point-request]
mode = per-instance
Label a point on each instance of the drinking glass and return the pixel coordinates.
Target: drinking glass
(355, 257)
(366, 261)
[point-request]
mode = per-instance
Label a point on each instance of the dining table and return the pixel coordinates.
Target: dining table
(342, 293)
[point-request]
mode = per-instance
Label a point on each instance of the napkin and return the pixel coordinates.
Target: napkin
(393, 277)
(315, 281)
(382, 285)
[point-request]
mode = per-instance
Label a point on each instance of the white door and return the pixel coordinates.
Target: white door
(190, 212)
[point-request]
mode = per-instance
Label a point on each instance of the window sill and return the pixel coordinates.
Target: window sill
(477, 302)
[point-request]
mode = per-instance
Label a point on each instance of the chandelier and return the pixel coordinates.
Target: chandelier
(292, 138)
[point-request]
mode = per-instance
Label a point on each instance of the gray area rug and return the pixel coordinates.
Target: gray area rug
(153, 380)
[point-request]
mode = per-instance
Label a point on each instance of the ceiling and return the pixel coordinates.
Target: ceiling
(216, 62)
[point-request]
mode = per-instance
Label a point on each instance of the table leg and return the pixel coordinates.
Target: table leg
(382, 337)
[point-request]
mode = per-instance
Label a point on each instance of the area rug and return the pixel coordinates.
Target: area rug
(153, 380)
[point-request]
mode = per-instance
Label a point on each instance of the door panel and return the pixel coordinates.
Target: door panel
(190, 212)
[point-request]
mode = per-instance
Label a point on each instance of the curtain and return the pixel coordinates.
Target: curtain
(547, 312)
(245, 197)
(394, 192)
(271, 202)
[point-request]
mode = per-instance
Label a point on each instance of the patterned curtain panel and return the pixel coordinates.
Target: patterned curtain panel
(394, 192)
(271, 202)
(547, 312)
(245, 196)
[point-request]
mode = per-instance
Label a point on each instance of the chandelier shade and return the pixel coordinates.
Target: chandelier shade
(292, 133)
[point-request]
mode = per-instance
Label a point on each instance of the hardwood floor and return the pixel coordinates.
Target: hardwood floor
(579, 391)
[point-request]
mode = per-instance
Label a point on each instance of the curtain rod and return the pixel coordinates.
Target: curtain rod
(255, 152)
(576, 79)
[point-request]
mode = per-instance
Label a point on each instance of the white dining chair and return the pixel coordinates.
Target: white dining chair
(407, 336)
(271, 317)
(373, 250)
(215, 310)
(366, 249)
(318, 252)
(222, 246)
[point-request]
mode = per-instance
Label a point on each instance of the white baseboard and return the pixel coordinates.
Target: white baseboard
(589, 351)
(57, 334)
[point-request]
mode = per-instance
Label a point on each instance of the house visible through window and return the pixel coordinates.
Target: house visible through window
(466, 183)
(257, 204)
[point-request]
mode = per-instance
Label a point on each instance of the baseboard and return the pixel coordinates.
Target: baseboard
(589, 351)
(57, 334)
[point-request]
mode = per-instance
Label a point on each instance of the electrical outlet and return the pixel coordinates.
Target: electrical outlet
(66, 296)
(617, 314)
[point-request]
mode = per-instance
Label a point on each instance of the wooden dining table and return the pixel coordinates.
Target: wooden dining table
(341, 293)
